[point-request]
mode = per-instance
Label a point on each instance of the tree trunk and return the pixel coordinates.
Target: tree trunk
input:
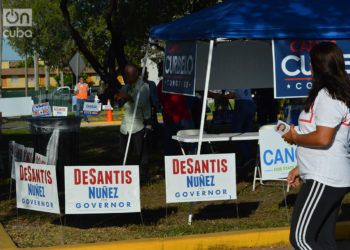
(61, 78)
(36, 71)
(115, 52)
(47, 77)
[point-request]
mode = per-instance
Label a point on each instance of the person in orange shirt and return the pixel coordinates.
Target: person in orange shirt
(81, 91)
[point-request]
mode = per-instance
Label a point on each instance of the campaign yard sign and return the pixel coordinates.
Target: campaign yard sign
(36, 187)
(192, 178)
(179, 71)
(91, 108)
(59, 111)
(41, 110)
(102, 189)
(291, 66)
(277, 157)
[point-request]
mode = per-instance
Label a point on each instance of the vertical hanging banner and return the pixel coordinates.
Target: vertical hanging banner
(102, 189)
(36, 187)
(179, 70)
(291, 66)
(192, 178)
(277, 157)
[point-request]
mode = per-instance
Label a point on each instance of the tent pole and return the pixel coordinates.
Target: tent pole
(136, 104)
(204, 107)
(205, 96)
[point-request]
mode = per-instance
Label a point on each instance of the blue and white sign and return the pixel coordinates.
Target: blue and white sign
(102, 189)
(277, 157)
(59, 111)
(36, 187)
(92, 108)
(179, 71)
(41, 110)
(191, 178)
(291, 64)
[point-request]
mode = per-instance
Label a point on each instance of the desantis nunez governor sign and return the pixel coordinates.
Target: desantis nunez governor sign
(102, 189)
(200, 177)
(179, 70)
(291, 64)
(36, 187)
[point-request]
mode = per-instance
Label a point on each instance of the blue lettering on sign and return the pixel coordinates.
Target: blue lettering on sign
(30, 202)
(288, 155)
(202, 193)
(36, 190)
(103, 205)
(103, 192)
(200, 181)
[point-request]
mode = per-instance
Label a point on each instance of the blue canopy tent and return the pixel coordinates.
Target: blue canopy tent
(262, 19)
(243, 63)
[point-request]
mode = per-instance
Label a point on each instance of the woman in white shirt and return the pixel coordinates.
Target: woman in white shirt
(323, 155)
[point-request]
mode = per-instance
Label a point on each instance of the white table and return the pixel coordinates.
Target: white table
(250, 136)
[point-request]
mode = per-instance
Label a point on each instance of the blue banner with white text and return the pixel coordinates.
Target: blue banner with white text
(292, 72)
(179, 68)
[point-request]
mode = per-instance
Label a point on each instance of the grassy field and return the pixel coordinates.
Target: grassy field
(263, 208)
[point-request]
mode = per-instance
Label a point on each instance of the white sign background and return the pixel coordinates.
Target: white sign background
(277, 157)
(25, 200)
(215, 185)
(122, 198)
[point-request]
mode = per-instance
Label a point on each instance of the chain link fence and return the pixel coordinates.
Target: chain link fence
(58, 97)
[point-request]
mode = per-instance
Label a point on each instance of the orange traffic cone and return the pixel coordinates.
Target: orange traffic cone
(109, 113)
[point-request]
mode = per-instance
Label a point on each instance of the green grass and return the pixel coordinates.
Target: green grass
(263, 208)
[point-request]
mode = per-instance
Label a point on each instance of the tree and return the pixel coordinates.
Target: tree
(126, 23)
(49, 39)
(108, 33)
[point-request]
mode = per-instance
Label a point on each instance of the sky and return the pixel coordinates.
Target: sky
(8, 54)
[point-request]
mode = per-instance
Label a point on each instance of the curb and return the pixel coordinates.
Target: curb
(5, 240)
(247, 238)
(100, 124)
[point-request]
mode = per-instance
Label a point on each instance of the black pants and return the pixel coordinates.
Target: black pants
(314, 216)
(138, 149)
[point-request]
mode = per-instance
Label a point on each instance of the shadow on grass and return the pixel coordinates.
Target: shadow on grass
(344, 213)
(224, 211)
(290, 199)
(87, 221)
(5, 190)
